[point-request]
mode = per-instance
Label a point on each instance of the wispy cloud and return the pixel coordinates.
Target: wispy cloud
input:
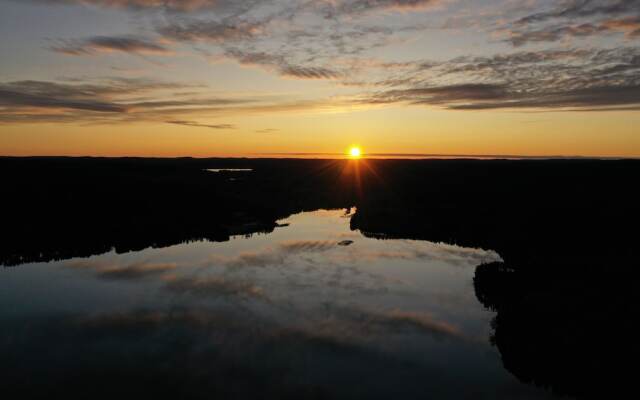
(546, 80)
(577, 19)
(171, 5)
(199, 125)
(344, 43)
(338, 8)
(582, 8)
(101, 44)
(213, 30)
(281, 65)
(630, 26)
(116, 100)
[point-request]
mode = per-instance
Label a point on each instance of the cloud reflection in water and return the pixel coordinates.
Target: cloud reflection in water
(290, 314)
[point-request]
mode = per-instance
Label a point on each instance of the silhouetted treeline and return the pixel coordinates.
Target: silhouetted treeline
(535, 214)
(58, 208)
(574, 333)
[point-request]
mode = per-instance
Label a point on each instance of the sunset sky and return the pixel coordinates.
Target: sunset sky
(256, 77)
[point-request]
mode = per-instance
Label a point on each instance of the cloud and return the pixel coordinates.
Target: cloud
(588, 79)
(294, 40)
(576, 99)
(118, 100)
(12, 96)
(496, 96)
(276, 41)
(333, 9)
(630, 26)
(213, 30)
(101, 44)
(554, 79)
(329, 7)
(281, 65)
(199, 125)
(264, 34)
(76, 98)
(77, 95)
(309, 72)
(446, 94)
(520, 38)
(583, 8)
(577, 19)
(171, 5)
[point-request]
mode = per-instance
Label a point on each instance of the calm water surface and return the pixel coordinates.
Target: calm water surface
(312, 310)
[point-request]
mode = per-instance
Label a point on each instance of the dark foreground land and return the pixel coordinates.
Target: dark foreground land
(566, 294)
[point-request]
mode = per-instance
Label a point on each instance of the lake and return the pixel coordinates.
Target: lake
(313, 309)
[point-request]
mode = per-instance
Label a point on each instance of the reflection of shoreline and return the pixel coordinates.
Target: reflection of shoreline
(222, 234)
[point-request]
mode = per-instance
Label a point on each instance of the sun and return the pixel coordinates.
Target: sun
(355, 152)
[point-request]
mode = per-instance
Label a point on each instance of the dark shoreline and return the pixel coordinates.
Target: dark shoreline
(132, 203)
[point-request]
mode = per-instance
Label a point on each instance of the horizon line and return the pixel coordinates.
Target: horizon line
(347, 156)
(444, 155)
